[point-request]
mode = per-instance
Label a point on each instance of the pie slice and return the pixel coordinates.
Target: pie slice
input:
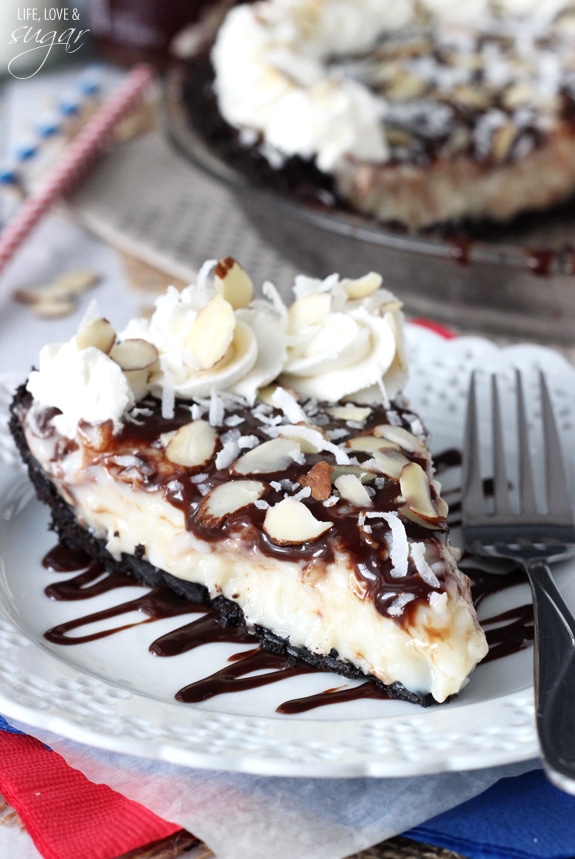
(261, 456)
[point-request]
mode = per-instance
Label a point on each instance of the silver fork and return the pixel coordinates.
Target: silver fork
(532, 535)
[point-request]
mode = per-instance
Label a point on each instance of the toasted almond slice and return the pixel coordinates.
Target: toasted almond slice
(99, 333)
(369, 443)
(415, 489)
(290, 523)
(357, 414)
(307, 311)
(402, 438)
(29, 295)
(211, 332)
(193, 444)
(361, 472)
(389, 462)
(310, 438)
(76, 281)
(134, 354)
(51, 308)
(318, 479)
(352, 489)
(233, 283)
(138, 381)
(268, 457)
(265, 395)
(228, 498)
(361, 287)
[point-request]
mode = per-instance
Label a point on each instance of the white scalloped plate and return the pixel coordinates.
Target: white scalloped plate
(113, 694)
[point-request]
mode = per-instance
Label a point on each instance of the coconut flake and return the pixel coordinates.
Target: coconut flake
(168, 391)
(304, 492)
(331, 501)
(397, 542)
(234, 420)
(423, 568)
(288, 404)
(316, 439)
(197, 411)
(397, 606)
(247, 442)
(217, 411)
(204, 274)
(229, 452)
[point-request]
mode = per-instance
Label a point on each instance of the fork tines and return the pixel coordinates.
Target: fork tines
(477, 491)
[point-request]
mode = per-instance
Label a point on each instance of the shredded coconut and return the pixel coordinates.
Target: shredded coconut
(423, 568)
(397, 606)
(168, 393)
(288, 404)
(217, 410)
(397, 541)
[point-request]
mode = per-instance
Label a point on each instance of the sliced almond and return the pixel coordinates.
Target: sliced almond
(290, 522)
(99, 333)
(265, 395)
(309, 310)
(76, 281)
(369, 443)
(406, 86)
(29, 295)
(502, 142)
(518, 94)
(357, 414)
(138, 381)
(134, 354)
(415, 490)
(352, 489)
(389, 462)
(193, 444)
(51, 308)
(311, 439)
(361, 287)
(402, 438)
(268, 457)
(318, 479)
(233, 283)
(228, 498)
(211, 332)
(361, 472)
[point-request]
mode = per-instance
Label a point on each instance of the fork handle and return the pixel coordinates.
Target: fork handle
(554, 678)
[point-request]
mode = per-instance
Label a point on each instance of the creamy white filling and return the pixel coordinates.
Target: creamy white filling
(318, 608)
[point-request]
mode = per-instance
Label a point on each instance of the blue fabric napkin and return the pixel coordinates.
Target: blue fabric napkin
(524, 817)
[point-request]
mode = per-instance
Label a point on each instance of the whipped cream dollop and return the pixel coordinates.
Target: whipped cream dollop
(277, 82)
(340, 338)
(345, 339)
(84, 384)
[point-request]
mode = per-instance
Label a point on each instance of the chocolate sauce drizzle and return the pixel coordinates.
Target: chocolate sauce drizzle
(507, 632)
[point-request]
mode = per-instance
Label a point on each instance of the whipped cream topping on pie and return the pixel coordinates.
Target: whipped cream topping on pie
(469, 89)
(318, 514)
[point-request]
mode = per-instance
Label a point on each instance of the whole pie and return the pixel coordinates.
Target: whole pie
(418, 112)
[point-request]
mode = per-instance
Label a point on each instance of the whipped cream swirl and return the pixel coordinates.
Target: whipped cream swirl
(340, 338)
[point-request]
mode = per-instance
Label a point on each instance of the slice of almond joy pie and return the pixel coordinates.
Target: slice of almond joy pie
(261, 455)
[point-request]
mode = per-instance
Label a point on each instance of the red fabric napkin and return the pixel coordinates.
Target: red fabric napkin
(67, 815)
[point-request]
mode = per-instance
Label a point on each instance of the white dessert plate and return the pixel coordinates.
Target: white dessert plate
(112, 693)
